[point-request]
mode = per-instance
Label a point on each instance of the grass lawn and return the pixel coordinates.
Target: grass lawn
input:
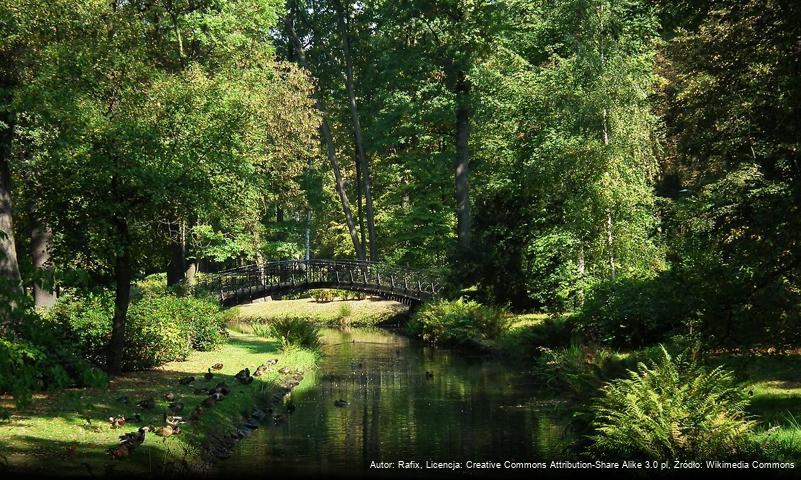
(68, 432)
(774, 384)
(367, 312)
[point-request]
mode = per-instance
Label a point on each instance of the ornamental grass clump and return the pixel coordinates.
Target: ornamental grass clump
(296, 332)
(672, 409)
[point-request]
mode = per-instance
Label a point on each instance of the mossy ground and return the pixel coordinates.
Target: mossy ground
(67, 432)
(367, 312)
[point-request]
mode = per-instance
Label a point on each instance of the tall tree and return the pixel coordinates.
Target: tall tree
(363, 173)
(328, 139)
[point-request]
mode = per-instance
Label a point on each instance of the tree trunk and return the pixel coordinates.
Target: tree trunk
(463, 219)
(9, 268)
(41, 239)
(610, 244)
(122, 279)
(176, 268)
(581, 270)
(307, 254)
(357, 132)
(325, 131)
(191, 272)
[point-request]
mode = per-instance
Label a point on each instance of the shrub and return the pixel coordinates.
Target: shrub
(672, 409)
(85, 322)
(156, 333)
(553, 332)
(459, 322)
(296, 332)
(578, 371)
(160, 328)
(322, 295)
(632, 312)
(344, 312)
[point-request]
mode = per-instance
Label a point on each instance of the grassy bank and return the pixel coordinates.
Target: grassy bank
(68, 431)
(362, 313)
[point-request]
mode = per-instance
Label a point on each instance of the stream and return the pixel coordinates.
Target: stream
(474, 408)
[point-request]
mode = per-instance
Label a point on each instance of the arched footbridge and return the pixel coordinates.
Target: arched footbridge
(251, 282)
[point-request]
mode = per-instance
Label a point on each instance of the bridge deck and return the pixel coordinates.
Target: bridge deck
(251, 282)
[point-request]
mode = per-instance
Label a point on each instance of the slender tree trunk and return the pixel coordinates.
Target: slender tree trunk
(176, 269)
(9, 268)
(610, 243)
(307, 254)
(357, 132)
(41, 239)
(463, 218)
(359, 203)
(325, 131)
(122, 278)
(581, 270)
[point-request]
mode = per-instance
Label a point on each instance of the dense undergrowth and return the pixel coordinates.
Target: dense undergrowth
(67, 345)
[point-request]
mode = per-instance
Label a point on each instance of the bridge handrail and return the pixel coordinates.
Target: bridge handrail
(399, 281)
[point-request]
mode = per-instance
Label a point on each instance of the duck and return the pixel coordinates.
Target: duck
(284, 370)
(136, 418)
(175, 407)
(341, 403)
(222, 387)
(244, 373)
(118, 452)
(170, 397)
(208, 375)
(217, 366)
(259, 371)
(172, 420)
(131, 440)
(246, 381)
(186, 380)
(147, 404)
(217, 396)
(117, 422)
(165, 431)
(271, 361)
(196, 414)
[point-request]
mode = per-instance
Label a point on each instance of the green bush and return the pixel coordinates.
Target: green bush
(295, 332)
(459, 322)
(672, 409)
(85, 321)
(632, 312)
(322, 295)
(553, 332)
(160, 328)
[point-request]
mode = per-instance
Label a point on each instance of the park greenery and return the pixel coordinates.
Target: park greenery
(593, 179)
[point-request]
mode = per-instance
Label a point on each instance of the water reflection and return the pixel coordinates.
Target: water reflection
(466, 408)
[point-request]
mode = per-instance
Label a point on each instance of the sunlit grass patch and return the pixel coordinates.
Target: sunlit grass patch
(365, 312)
(69, 432)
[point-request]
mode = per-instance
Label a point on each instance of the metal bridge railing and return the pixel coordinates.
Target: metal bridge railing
(257, 280)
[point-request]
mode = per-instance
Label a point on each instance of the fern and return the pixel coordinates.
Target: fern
(671, 409)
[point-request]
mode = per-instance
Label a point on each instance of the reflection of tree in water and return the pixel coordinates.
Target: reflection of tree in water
(474, 408)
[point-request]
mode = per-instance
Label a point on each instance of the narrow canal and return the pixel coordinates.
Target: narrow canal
(405, 401)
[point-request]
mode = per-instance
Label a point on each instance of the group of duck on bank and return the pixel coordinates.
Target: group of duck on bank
(172, 418)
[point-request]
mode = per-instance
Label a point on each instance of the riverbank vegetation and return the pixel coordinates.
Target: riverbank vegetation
(625, 173)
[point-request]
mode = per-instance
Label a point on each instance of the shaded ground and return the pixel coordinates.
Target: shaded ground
(368, 312)
(68, 432)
